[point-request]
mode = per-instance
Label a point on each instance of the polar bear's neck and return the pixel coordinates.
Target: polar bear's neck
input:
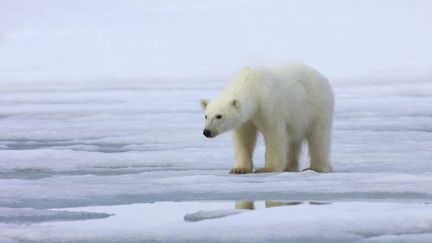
(242, 89)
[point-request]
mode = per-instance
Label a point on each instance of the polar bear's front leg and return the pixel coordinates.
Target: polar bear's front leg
(244, 143)
(276, 143)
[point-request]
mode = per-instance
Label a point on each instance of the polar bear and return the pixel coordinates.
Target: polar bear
(288, 104)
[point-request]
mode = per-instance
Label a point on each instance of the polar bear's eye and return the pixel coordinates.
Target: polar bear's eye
(206, 117)
(218, 116)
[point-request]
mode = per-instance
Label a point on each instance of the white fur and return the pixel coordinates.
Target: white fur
(287, 104)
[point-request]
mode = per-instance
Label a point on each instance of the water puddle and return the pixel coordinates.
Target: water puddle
(242, 206)
(162, 213)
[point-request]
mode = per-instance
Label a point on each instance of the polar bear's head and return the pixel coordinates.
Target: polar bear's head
(221, 115)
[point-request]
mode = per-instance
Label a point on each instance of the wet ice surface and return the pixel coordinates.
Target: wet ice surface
(29, 215)
(259, 221)
(103, 148)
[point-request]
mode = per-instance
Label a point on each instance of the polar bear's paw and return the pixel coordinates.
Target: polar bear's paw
(240, 171)
(265, 170)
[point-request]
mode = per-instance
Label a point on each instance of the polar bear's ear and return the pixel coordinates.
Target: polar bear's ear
(204, 103)
(235, 103)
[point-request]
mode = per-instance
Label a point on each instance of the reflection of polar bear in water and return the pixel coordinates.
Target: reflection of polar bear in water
(288, 105)
(269, 204)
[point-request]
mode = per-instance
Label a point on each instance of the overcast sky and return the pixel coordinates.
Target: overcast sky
(101, 40)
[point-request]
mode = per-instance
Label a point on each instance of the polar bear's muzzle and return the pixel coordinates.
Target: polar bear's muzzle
(210, 134)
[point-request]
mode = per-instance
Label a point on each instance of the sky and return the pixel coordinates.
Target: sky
(67, 41)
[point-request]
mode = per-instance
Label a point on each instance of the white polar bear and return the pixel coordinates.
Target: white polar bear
(287, 104)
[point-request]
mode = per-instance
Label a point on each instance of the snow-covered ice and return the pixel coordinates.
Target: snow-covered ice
(100, 125)
(204, 214)
(72, 148)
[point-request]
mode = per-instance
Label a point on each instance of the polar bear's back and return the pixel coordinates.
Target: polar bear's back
(302, 79)
(296, 93)
(286, 83)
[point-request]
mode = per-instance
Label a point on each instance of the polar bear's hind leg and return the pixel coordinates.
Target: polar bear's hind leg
(276, 145)
(319, 146)
(294, 151)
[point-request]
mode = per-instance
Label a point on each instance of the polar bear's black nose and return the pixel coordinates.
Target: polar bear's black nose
(207, 133)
